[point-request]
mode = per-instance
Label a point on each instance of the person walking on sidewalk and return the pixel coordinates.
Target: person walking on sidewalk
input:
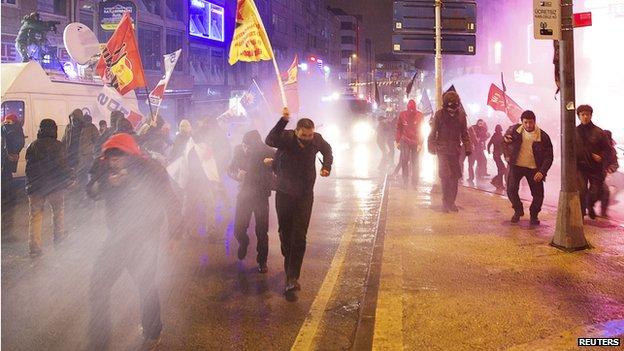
(251, 167)
(13, 141)
(481, 136)
(611, 165)
(593, 148)
(47, 177)
(138, 198)
(409, 141)
(295, 165)
(449, 135)
(530, 153)
(497, 141)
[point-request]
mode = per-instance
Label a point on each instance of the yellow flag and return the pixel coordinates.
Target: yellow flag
(250, 42)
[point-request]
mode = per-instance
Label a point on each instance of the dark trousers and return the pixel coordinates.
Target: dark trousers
(500, 167)
(479, 155)
(449, 170)
(293, 215)
(140, 260)
(590, 185)
(514, 177)
(259, 206)
(9, 200)
(410, 163)
(386, 146)
(605, 197)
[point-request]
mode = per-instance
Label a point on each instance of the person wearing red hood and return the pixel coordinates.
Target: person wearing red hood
(409, 141)
(138, 197)
(12, 144)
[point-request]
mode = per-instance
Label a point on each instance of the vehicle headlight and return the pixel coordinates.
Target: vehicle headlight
(363, 132)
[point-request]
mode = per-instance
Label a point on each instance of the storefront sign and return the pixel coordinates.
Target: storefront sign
(112, 11)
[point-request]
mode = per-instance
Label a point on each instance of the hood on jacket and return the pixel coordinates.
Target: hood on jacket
(123, 142)
(10, 117)
(47, 129)
(252, 138)
(411, 106)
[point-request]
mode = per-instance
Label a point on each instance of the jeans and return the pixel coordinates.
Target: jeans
(500, 166)
(514, 177)
(259, 206)
(36, 204)
(449, 170)
(293, 214)
(590, 185)
(410, 163)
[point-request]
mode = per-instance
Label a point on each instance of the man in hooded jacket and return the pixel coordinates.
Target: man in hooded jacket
(251, 167)
(71, 138)
(128, 183)
(47, 177)
(448, 138)
(409, 141)
(13, 140)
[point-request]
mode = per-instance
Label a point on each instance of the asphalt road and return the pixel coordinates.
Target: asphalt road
(210, 299)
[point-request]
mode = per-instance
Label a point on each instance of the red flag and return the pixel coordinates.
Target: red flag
(501, 102)
(120, 63)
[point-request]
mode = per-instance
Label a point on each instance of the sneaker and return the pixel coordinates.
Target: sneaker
(535, 220)
(242, 250)
(290, 292)
(263, 268)
(516, 217)
(592, 213)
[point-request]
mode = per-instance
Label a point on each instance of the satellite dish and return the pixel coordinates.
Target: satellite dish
(80, 42)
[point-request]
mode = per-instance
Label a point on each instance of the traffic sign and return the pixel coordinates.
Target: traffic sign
(547, 19)
(424, 43)
(419, 16)
(583, 19)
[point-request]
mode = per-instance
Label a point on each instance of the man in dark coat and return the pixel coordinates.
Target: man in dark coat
(530, 154)
(409, 141)
(497, 141)
(47, 177)
(138, 198)
(448, 139)
(593, 147)
(295, 165)
(115, 116)
(12, 144)
(251, 167)
(71, 138)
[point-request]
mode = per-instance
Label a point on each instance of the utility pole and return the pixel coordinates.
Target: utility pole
(438, 53)
(569, 235)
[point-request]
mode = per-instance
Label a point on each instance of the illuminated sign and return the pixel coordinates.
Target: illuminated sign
(111, 13)
(206, 20)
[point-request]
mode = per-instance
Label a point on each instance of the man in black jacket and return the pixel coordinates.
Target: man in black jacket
(592, 149)
(12, 144)
(251, 166)
(47, 177)
(449, 132)
(138, 198)
(530, 154)
(295, 165)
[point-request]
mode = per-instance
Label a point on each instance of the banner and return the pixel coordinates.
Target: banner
(291, 86)
(120, 63)
(499, 101)
(109, 100)
(250, 42)
(157, 94)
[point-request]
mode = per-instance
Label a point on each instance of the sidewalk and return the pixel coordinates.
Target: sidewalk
(474, 281)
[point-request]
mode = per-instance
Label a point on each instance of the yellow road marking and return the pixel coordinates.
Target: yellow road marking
(389, 312)
(305, 338)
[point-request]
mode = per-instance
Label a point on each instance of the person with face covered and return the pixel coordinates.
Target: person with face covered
(139, 200)
(593, 149)
(295, 166)
(448, 139)
(71, 138)
(251, 167)
(530, 153)
(481, 136)
(497, 141)
(409, 141)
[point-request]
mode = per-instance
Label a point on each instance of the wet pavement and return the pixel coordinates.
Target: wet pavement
(384, 268)
(472, 280)
(210, 299)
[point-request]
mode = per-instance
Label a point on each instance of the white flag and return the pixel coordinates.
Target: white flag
(157, 95)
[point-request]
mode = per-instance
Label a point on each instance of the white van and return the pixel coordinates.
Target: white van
(32, 95)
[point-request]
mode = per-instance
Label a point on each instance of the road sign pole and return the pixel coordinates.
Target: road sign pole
(569, 235)
(438, 53)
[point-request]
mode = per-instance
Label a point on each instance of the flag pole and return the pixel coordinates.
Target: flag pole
(150, 105)
(261, 93)
(280, 82)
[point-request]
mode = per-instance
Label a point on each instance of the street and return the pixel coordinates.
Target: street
(210, 300)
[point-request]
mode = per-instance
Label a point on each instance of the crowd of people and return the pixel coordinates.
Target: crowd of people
(152, 189)
(524, 150)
